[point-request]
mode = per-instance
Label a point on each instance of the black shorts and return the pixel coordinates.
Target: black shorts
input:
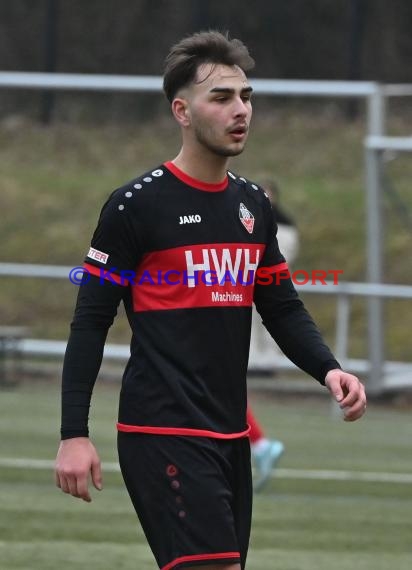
(193, 496)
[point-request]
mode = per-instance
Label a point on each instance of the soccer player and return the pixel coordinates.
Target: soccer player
(188, 246)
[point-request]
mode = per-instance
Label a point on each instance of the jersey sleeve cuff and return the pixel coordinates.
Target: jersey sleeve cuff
(329, 365)
(72, 433)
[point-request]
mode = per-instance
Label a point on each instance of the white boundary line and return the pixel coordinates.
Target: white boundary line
(366, 476)
(370, 477)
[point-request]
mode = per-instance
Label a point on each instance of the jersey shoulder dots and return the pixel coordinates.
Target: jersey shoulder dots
(252, 189)
(141, 190)
(137, 191)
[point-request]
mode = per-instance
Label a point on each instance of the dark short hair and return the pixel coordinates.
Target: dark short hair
(186, 56)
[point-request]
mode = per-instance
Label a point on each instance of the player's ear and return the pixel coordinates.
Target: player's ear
(181, 111)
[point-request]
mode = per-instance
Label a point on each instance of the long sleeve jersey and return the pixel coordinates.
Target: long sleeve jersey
(187, 259)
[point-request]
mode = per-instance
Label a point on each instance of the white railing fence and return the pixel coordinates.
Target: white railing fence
(375, 143)
(395, 375)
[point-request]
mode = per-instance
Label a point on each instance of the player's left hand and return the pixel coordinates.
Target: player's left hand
(349, 392)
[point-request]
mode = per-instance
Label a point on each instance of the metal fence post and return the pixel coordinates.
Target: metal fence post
(374, 241)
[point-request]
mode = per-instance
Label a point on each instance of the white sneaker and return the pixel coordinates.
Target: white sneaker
(265, 460)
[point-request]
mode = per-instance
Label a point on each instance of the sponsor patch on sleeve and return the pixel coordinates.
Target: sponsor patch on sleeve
(98, 255)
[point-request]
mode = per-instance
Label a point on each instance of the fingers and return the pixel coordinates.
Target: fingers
(82, 490)
(334, 384)
(354, 402)
(76, 460)
(96, 472)
(73, 484)
(349, 392)
(355, 411)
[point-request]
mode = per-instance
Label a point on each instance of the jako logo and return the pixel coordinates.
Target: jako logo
(192, 219)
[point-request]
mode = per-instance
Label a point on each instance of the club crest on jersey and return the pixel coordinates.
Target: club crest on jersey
(246, 217)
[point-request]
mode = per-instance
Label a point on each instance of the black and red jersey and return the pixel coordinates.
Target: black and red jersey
(190, 258)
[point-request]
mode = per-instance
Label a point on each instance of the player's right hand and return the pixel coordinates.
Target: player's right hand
(76, 459)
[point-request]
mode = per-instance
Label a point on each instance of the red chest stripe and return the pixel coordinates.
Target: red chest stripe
(206, 275)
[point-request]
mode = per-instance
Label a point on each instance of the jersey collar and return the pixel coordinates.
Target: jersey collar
(198, 184)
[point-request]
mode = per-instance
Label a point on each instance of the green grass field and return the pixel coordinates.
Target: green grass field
(300, 523)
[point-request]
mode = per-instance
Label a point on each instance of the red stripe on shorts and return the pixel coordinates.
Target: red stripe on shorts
(181, 431)
(198, 557)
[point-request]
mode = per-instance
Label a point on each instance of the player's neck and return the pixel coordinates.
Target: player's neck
(207, 167)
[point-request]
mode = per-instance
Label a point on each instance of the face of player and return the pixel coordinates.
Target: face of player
(219, 109)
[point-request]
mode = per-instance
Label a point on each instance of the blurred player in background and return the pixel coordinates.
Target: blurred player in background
(266, 452)
(167, 245)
